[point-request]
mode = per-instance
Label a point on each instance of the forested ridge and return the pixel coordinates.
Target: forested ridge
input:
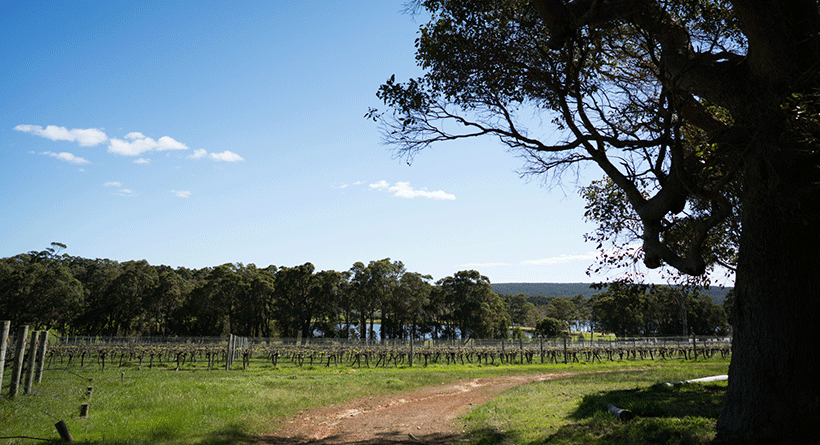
(717, 293)
(76, 295)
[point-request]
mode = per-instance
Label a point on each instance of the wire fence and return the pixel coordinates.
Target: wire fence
(574, 342)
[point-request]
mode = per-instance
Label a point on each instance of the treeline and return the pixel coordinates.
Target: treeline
(76, 295)
(103, 297)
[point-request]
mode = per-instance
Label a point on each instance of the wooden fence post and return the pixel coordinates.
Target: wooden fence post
(62, 429)
(411, 350)
(41, 357)
(229, 353)
(565, 350)
(32, 359)
(4, 341)
(19, 353)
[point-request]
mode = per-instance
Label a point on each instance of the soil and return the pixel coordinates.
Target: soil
(427, 415)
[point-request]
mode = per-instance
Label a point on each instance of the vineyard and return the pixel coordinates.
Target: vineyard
(243, 352)
(90, 384)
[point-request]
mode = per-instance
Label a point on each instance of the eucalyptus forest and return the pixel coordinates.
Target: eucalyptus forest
(101, 297)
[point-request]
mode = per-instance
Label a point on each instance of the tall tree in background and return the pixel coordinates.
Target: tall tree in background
(372, 288)
(37, 288)
(295, 300)
(477, 311)
(703, 114)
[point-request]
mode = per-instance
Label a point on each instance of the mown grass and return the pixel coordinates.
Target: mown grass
(160, 405)
(574, 410)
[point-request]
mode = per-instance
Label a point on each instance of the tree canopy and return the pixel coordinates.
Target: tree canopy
(702, 116)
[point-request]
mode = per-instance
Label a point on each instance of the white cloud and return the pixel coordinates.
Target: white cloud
(380, 185)
(86, 137)
(199, 153)
(226, 156)
(561, 259)
(168, 143)
(134, 148)
(142, 161)
(67, 157)
(181, 193)
(138, 144)
(113, 184)
(404, 190)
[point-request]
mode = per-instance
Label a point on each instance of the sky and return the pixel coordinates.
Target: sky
(196, 134)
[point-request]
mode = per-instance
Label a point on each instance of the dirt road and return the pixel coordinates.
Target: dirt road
(427, 415)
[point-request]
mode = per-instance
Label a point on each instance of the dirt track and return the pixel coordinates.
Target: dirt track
(427, 415)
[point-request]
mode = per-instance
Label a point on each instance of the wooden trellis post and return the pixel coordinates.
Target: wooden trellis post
(19, 353)
(41, 357)
(32, 359)
(4, 341)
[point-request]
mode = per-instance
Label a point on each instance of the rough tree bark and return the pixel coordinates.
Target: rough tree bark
(774, 389)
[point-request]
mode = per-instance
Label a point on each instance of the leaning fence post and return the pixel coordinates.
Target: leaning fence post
(19, 352)
(4, 341)
(32, 359)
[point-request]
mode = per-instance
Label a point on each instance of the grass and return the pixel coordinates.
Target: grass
(574, 410)
(131, 406)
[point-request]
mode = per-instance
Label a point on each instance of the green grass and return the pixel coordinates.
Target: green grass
(236, 407)
(574, 410)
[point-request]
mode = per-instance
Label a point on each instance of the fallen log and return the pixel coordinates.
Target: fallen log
(621, 414)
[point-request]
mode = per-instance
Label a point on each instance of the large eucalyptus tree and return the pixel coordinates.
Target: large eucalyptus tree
(704, 114)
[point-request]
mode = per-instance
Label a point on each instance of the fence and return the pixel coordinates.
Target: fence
(238, 342)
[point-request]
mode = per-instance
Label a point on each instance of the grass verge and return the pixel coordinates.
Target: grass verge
(574, 410)
(163, 406)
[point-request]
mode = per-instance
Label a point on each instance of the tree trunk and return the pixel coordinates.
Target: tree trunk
(774, 376)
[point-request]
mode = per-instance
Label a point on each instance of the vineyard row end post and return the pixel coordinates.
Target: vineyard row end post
(19, 353)
(4, 341)
(32, 357)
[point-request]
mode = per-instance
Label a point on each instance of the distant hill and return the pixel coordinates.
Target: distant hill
(573, 289)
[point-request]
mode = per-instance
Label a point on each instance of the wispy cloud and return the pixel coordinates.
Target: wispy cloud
(120, 191)
(181, 193)
(125, 192)
(404, 190)
(561, 259)
(226, 156)
(67, 157)
(86, 137)
(142, 161)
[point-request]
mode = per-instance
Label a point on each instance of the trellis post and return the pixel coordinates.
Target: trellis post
(41, 357)
(4, 341)
(19, 353)
(32, 359)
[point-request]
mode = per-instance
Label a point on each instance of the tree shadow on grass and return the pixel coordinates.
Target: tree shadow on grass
(683, 415)
(232, 434)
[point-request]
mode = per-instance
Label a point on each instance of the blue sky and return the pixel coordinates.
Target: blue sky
(196, 134)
